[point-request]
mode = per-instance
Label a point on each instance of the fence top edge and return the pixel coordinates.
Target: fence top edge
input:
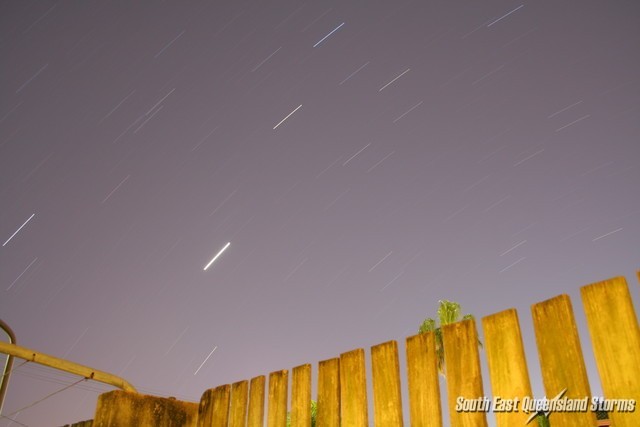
(301, 367)
(385, 344)
(458, 324)
(353, 352)
(499, 314)
(619, 281)
(550, 301)
(328, 361)
(279, 372)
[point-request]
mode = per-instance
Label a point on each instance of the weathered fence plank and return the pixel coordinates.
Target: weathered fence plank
(255, 413)
(238, 410)
(119, 408)
(277, 407)
(424, 389)
(464, 380)
(387, 400)
(507, 365)
(214, 407)
(301, 396)
(353, 389)
(328, 393)
(615, 335)
(561, 360)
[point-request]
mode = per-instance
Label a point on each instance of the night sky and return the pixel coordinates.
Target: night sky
(364, 159)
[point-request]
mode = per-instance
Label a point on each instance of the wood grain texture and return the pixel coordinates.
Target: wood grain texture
(255, 414)
(238, 410)
(462, 364)
(329, 393)
(353, 389)
(561, 360)
(507, 364)
(214, 407)
(277, 406)
(301, 396)
(613, 326)
(387, 400)
(424, 388)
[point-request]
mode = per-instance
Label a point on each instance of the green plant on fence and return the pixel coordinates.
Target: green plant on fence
(543, 420)
(314, 414)
(448, 312)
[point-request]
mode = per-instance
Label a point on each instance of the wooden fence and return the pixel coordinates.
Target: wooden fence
(342, 381)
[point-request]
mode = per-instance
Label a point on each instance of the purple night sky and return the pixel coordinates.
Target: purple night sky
(482, 152)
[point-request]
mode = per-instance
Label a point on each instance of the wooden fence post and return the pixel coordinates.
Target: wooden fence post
(255, 412)
(329, 393)
(424, 388)
(561, 358)
(214, 407)
(463, 375)
(507, 365)
(387, 400)
(615, 335)
(353, 389)
(277, 407)
(301, 396)
(238, 410)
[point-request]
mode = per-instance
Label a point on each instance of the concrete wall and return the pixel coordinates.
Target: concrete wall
(125, 409)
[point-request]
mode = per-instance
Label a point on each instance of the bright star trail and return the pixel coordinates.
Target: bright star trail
(217, 255)
(333, 31)
(396, 78)
(205, 360)
(288, 115)
(505, 15)
(366, 160)
(19, 228)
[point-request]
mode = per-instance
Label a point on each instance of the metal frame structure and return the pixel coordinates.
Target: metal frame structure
(13, 350)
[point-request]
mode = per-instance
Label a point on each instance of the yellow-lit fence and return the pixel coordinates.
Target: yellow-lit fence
(342, 381)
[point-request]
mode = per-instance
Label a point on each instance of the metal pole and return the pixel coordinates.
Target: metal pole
(65, 365)
(6, 373)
